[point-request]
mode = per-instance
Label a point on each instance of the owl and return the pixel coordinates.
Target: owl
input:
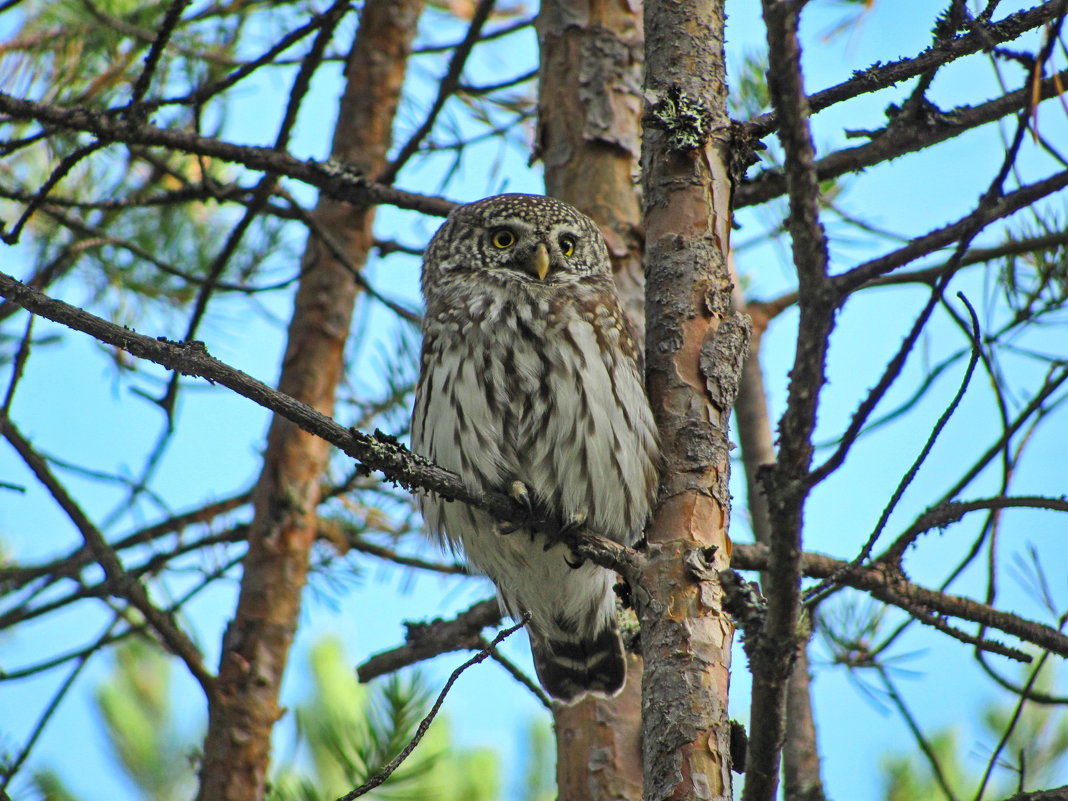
(530, 384)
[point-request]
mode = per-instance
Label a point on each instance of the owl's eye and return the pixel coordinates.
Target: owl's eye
(502, 238)
(567, 245)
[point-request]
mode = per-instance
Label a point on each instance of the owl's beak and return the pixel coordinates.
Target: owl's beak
(540, 261)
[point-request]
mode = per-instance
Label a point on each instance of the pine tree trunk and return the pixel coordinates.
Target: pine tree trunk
(695, 346)
(589, 127)
(257, 642)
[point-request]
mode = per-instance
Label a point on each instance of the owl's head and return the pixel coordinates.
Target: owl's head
(525, 239)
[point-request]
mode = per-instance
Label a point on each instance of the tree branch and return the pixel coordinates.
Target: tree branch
(119, 581)
(880, 76)
(433, 638)
(375, 452)
(984, 214)
(447, 86)
(888, 584)
(330, 178)
(774, 656)
(902, 137)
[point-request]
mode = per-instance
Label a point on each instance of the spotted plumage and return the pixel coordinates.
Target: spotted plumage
(529, 382)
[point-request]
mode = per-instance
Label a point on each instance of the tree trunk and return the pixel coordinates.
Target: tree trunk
(589, 110)
(257, 642)
(694, 350)
(801, 763)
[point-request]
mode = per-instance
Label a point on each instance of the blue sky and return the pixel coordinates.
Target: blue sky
(76, 407)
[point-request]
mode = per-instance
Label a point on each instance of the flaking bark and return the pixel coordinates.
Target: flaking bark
(686, 637)
(256, 647)
(589, 112)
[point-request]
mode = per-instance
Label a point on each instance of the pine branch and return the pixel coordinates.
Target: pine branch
(331, 179)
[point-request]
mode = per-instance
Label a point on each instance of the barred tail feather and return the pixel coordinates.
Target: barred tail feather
(570, 666)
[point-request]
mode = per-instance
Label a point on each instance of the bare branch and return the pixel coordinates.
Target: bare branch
(446, 88)
(375, 452)
(903, 137)
(983, 215)
(819, 592)
(436, 637)
(950, 512)
(329, 178)
(880, 76)
(773, 658)
(119, 580)
(889, 585)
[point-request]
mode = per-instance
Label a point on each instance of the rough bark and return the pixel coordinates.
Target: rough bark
(257, 642)
(694, 350)
(589, 113)
(589, 126)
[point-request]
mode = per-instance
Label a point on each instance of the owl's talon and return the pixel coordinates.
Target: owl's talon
(565, 533)
(519, 493)
(572, 525)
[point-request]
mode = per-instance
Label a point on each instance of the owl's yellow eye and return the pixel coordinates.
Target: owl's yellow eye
(567, 245)
(502, 238)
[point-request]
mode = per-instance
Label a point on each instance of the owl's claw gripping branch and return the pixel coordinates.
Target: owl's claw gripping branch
(568, 534)
(518, 492)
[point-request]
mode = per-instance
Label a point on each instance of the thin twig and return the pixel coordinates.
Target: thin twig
(13, 767)
(1010, 727)
(880, 76)
(387, 771)
(917, 733)
(447, 86)
(517, 674)
(897, 139)
(891, 587)
(166, 29)
(328, 177)
(820, 592)
(121, 582)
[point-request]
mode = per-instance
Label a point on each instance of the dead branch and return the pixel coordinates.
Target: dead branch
(433, 638)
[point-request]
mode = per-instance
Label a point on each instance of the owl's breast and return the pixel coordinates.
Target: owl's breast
(519, 389)
(580, 425)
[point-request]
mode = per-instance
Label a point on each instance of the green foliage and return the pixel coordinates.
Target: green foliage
(1035, 282)
(909, 778)
(135, 706)
(749, 87)
(134, 703)
(348, 732)
(345, 734)
(48, 784)
(90, 51)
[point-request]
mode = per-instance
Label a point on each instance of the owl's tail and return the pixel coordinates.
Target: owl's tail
(570, 665)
